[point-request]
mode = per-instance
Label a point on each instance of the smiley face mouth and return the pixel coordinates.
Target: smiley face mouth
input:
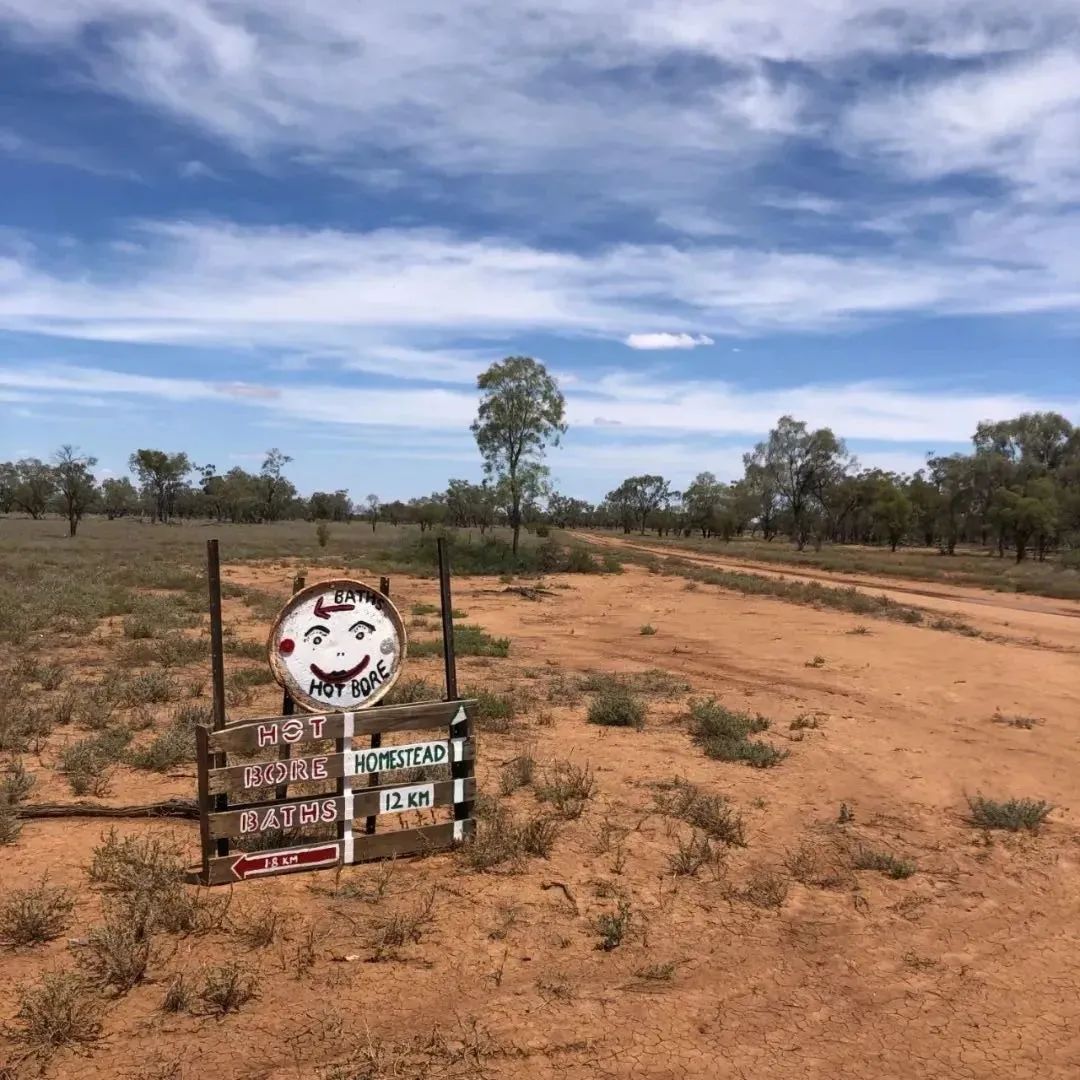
(339, 677)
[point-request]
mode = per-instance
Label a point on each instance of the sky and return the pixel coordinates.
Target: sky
(227, 225)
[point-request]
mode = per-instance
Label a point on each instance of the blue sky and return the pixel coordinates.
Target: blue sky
(233, 224)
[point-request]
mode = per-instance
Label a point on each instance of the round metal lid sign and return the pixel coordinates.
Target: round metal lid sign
(338, 644)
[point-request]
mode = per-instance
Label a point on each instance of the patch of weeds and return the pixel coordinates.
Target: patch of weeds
(500, 839)
(614, 926)
(50, 676)
(150, 688)
(494, 710)
(117, 952)
(403, 927)
(811, 865)
(723, 734)
(407, 691)
(846, 815)
(816, 662)
(1011, 814)
(424, 609)
(563, 691)
(88, 763)
(60, 1011)
(556, 989)
(712, 814)
(537, 836)
(15, 783)
(226, 988)
(691, 855)
(517, 773)
(10, 825)
(766, 888)
(617, 706)
(65, 707)
(889, 865)
(656, 972)
(469, 640)
(568, 787)
(1025, 723)
(258, 926)
(860, 630)
(35, 915)
(248, 650)
(647, 630)
(805, 722)
(177, 997)
(176, 744)
(508, 917)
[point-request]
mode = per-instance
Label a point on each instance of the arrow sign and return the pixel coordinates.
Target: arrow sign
(252, 864)
(323, 611)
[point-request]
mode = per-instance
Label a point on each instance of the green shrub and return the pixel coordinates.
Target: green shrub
(322, 534)
(617, 707)
(407, 691)
(1011, 814)
(494, 711)
(723, 734)
(882, 861)
(469, 640)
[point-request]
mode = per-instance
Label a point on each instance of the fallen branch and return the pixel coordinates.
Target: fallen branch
(178, 808)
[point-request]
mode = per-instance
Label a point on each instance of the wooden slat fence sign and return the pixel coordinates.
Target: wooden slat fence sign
(311, 812)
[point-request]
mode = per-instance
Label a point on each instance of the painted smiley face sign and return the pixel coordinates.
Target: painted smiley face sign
(339, 644)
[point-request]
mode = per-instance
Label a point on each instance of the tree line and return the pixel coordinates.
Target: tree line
(1016, 491)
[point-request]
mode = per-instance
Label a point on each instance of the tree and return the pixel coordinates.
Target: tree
(161, 474)
(276, 489)
(891, 512)
(801, 463)
(521, 411)
(373, 510)
(705, 502)
(35, 484)
(118, 497)
(951, 477)
(643, 495)
(760, 495)
(75, 483)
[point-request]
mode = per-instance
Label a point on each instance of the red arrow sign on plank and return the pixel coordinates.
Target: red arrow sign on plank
(323, 610)
(252, 864)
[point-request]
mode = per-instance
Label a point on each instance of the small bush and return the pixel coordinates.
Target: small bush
(1011, 814)
(469, 640)
(712, 814)
(322, 534)
(691, 855)
(647, 630)
(568, 787)
(10, 825)
(425, 609)
(177, 996)
(494, 711)
(405, 926)
(88, 763)
(151, 688)
(117, 952)
(538, 835)
(614, 926)
(35, 915)
(653, 682)
(865, 859)
(656, 972)
(805, 722)
(617, 707)
(247, 650)
(1025, 723)
(60, 1011)
(227, 988)
(406, 691)
(50, 676)
(766, 888)
(15, 783)
(517, 773)
(175, 745)
(723, 734)
(816, 662)
(258, 926)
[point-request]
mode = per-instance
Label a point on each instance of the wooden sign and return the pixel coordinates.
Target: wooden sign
(304, 815)
(337, 644)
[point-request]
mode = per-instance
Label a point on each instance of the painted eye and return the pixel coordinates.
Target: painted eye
(360, 635)
(317, 640)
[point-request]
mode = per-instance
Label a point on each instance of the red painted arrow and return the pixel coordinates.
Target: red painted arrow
(274, 862)
(324, 610)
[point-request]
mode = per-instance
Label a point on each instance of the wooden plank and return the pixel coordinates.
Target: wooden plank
(256, 734)
(202, 765)
(326, 809)
(261, 774)
(217, 662)
(429, 838)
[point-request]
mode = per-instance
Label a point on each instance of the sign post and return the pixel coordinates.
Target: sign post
(336, 648)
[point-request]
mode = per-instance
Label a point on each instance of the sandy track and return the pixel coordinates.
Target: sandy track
(1018, 617)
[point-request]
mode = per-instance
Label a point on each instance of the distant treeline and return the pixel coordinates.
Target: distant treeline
(1018, 491)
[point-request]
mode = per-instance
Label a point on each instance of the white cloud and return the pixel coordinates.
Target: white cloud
(668, 341)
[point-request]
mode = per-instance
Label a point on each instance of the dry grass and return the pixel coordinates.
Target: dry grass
(568, 787)
(60, 1011)
(227, 988)
(118, 952)
(712, 814)
(35, 915)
